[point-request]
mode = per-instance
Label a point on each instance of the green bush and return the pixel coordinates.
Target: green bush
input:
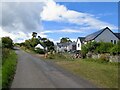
(115, 49)
(40, 51)
(8, 69)
(89, 47)
(104, 47)
(100, 47)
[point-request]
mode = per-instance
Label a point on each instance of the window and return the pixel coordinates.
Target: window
(114, 41)
(111, 41)
(78, 45)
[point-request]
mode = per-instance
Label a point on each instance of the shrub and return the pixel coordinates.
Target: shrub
(104, 47)
(115, 49)
(51, 56)
(40, 51)
(84, 50)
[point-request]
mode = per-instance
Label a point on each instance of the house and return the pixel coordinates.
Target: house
(104, 35)
(79, 42)
(62, 47)
(39, 46)
(65, 47)
(71, 46)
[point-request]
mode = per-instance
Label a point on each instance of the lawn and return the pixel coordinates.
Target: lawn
(102, 74)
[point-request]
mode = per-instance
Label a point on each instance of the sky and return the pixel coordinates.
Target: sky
(55, 20)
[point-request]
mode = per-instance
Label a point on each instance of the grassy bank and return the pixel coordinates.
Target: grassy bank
(0, 77)
(8, 67)
(102, 74)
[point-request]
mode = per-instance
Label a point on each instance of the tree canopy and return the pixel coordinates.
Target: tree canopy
(64, 40)
(34, 34)
(7, 42)
(31, 43)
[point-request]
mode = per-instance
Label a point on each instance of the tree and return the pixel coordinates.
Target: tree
(64, 40)
(34, 34)
(39, 38)
(7, 42)
(34, 42)
(27, 44)
(49, 44)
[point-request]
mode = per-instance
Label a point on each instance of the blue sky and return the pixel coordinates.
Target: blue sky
(55, 20)
(103, 11)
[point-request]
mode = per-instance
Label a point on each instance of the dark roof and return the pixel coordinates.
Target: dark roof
(81, 38)
(117, 34)
(73, 43)
(94, 35)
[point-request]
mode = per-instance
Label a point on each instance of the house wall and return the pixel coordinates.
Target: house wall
(106, 36)
(78, 47)
(61, 49)
(71, 47)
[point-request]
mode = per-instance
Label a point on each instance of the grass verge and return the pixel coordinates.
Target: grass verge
(8, 69)
(102, 74)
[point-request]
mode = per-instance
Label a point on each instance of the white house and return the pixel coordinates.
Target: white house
(80, 41)
(69, 46)
(105, 35)
(61, 47)
(39, 46)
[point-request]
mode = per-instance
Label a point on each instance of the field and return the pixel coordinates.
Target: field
(102, 74)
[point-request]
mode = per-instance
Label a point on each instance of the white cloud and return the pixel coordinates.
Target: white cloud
(61, 31)
(55, 12)
(52, 11)
(16, 36)
(19, 20)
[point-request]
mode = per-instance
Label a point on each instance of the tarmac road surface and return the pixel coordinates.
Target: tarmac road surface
(32, 72)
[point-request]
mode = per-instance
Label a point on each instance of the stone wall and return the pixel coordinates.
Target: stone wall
(114, 58)
(111, 58)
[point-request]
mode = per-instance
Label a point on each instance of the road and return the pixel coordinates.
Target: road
(32, 72)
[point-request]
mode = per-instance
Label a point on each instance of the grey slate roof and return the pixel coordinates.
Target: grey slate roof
(73, 43)
(62, 44)
(117, 34)
(94, 35)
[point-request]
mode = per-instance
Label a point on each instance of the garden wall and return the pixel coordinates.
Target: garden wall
(112, 58)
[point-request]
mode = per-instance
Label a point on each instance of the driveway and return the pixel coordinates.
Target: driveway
(33, 72)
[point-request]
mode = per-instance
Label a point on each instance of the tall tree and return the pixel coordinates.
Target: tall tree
(39, 38)
(34, 34)
(64, 40)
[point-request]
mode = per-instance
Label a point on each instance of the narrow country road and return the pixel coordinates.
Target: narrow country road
(32, 72)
